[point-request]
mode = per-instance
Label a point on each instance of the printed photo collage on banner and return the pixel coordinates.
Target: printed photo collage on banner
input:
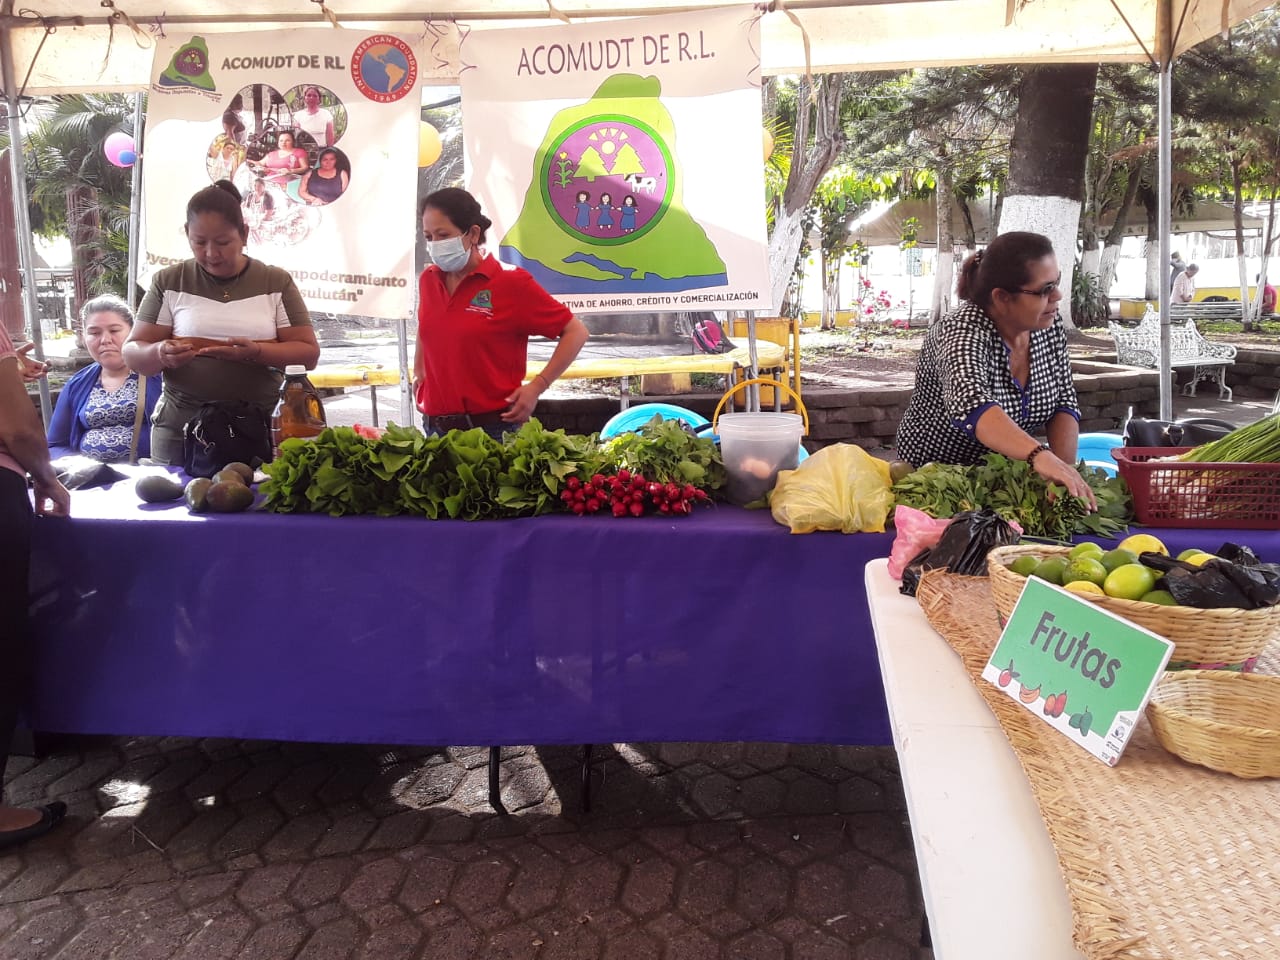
(281, 151)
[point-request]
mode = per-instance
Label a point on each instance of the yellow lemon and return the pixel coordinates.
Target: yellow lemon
(1085, 568)
(1086, 549)
(1144, 543)
(1189, 552)
(1198, 559)
(1130, 582)
(1051, 569)
(1026, 565)
(1163, 597)
(1085, 587)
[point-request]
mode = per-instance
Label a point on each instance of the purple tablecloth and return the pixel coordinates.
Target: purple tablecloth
(720, 626)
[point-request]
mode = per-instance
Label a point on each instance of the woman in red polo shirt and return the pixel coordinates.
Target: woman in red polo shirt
(475, 317)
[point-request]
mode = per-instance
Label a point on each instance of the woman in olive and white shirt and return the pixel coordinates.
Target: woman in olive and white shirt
(220, 326)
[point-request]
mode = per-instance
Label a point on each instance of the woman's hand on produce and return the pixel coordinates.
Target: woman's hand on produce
(235, 348)
(522, 401)
(1055, 470)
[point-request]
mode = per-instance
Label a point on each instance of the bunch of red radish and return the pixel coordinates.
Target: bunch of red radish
(629, 494)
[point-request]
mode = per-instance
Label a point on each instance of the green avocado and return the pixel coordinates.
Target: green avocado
(157, 489)
(229, 474)
(197, 492)
(229, 497)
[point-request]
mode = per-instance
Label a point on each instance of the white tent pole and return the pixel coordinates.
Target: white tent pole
(135, 204)
(21, 215)
(406, 391)
(1164, 46)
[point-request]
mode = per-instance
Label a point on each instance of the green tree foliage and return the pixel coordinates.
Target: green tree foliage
(74, 190)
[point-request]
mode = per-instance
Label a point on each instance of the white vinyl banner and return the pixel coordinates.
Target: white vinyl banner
(620, 161)
(319, 132)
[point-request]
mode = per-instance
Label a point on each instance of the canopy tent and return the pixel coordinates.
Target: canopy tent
(1208, 216)
(886, 227)
(53, 47)
(108, 49)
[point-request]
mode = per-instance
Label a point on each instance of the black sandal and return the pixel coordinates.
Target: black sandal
(51, 814)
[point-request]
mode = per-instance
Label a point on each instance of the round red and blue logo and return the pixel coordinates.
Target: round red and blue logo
(384, 68)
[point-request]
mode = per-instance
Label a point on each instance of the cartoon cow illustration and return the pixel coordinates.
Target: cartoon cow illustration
(638, 183)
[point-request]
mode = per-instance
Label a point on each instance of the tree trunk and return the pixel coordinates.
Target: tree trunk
(1237, 215)
(818, 139)
(945, 268)
(1111, 250)
(84, 228)
(1047, 160)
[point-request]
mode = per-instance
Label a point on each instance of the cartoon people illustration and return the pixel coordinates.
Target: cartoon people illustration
(582, 208)
(604, 219)
(627, 219)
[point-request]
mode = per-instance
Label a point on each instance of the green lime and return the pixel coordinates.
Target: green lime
(1086, 549)
(1163, 597)
(1025, 565)
(1085, 568)
(1051, 569)
(1189, 552)
(1132, 581)
(1118, 558)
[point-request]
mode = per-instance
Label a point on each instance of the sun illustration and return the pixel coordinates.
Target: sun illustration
(609, 138)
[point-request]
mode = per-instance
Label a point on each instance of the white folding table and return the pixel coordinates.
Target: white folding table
(988, 871)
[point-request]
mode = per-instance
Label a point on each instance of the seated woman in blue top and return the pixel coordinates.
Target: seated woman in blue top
(97, 410)
(994, 373)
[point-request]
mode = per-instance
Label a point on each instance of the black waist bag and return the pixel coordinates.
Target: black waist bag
(223, 433)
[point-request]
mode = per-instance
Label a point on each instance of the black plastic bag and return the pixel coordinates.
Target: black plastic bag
(1191, 432)
(223, 433)
(78, 472)
(963, 547)
(1220, 583)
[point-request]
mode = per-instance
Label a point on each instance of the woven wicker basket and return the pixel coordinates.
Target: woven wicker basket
(1221, 720)
(1213, 639)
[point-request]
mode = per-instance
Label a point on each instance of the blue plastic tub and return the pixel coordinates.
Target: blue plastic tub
(633, 418)
(1095, 450)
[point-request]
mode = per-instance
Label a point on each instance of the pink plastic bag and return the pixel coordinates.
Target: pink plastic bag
(916, 531)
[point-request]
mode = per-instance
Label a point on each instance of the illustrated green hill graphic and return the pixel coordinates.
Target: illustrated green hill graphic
(673, 250)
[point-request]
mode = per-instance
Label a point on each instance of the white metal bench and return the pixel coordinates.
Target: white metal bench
(1188, 349)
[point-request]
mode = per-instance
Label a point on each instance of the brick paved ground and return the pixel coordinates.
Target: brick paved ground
(209, 849)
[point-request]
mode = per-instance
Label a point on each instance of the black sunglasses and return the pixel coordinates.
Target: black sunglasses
(1045, 291)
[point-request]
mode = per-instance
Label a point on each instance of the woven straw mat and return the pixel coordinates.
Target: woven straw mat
(1163, 860)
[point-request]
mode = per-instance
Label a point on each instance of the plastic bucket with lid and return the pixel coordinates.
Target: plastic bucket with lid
(755, 447)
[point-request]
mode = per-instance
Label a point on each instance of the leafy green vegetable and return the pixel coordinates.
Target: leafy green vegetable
(466, 474)
(663, 450)
(1016, 492)
(1256, 443)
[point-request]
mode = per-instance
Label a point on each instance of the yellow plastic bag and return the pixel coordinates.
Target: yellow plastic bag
(841, 487)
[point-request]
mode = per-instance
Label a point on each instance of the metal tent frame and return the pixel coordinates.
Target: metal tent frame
(54, 47)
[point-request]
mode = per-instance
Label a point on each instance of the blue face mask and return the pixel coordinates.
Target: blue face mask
(449, 255)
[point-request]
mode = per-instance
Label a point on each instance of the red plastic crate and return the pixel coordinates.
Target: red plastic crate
(1170, 494)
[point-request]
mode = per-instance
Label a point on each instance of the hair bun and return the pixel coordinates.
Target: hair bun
(230, 187)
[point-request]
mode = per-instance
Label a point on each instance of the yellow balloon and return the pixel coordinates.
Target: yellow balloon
(768, 143)
(428, 144)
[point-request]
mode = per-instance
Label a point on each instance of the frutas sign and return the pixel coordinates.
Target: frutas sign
(1083, 670)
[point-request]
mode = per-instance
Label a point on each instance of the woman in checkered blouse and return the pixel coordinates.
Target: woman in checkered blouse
(994, 374)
